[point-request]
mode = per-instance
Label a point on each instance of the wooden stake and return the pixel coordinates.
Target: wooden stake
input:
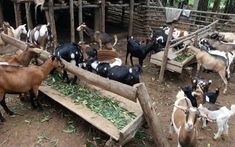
(97, 19)
(1, 13)
(151, 116)
(52, 20)
(28, 15)
(131, 17)
(17, 14)
(164, 59)
(80, 19)
(102, 16)
(72, 21)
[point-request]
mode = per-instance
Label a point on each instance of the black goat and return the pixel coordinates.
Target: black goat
(70, 52)
(139, 51)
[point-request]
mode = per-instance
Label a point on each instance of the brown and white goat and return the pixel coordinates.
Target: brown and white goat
(219, 63)
(6, 29)
(228, 37)
(98, 37)
(16, 79)
(41, 36)
(23, 58)
(184, 121)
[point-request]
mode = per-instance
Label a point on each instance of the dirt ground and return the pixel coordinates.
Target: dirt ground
(55, 126)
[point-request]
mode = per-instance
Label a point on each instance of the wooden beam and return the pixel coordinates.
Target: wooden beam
(80, 20)
(17, 14)
(164, 60)
(13, 41)
(131, 17)
(52, 20)
(72, 21)
(102, 16)
(28, 15)
(1, 13)
(151, 116)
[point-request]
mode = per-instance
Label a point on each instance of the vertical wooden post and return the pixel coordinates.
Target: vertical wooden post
(102, 16)
(97, 18)
(17, 14)
(131, 17)
(1, 13)
(123, 13)
(164, 60)
(151, 116)
(72, 21)
(52, 20)
(28, 15)
(148, 3)
(195, 5)
(80, 19)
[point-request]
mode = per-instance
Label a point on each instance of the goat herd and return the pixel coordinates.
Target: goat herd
(192, 102)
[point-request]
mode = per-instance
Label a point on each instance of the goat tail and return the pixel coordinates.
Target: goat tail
(232, 109)
(180, 95)
(115, 40)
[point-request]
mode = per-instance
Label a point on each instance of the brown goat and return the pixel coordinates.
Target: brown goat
(184, 120)
(23, 58)
(15, 79)
(219, 64)
(6, 29)
(221, 46)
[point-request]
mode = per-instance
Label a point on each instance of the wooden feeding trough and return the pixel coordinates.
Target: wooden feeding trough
(173, 64)
(121, 136)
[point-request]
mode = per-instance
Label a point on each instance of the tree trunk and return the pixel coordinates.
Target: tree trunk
(164, 2)
(203, 5)
(216, 5)
(229, 6)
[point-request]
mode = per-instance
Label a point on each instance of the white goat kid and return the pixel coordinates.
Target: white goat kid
(21, 29)
(220, 116)
(184, 120)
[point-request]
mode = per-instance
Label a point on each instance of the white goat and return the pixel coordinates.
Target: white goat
(21, 29)
(215, 60)
(220, 116)
(184, 120)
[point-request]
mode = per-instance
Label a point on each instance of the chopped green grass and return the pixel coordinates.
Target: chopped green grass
(102, 105)
(182, 57)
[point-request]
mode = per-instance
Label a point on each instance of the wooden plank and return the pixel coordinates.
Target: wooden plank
(82, 111)
(72, 30)
(170, 67)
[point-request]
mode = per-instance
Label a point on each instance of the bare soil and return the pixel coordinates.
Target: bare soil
(48, 128)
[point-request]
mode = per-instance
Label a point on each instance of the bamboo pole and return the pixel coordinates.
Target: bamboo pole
(102, 16)
(151, 116)
(131, 17)
(1, 13)
(17, 14)
(72, 21)
(164, 59)
(80, 19)
(28, 15)
(52, 20)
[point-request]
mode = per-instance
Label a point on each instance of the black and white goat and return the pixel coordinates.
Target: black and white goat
(139, 51)
(210, 44)
(41, 36)
(228, 37)
(70, 52)
(221, 117)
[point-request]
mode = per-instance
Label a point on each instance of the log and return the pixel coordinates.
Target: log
(17, 14)
(151, 116)
(28, 16)
(13, 41)
(131, 17)
(164, 60)
(72, 21)
(80, 19)
(52, 20)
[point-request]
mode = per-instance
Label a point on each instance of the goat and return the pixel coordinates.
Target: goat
(220, 116)
(23, 58)
(219, 63)
(224, 36)
(184, 121)
(41, 36)
(176, 33)
(139, 51)
(203, 83)
(210, 44)
(17, 79)
(6, 28)
(98, 37)
(71, 52)
(19, 31)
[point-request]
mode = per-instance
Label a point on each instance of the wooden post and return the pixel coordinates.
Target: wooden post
(28, 15)
(164, 60)
(72, 21)
(80, 19)
(131, 17)
(195, 5)
(102, 16)
(148, 3)
(151, 116)
(52, 20)
(1, 13)
(17, 14)
(97, 19)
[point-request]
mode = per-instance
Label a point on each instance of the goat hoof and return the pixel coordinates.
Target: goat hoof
(2, 119)
(11, 113)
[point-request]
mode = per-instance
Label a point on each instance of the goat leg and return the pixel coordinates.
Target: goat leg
(74, 80)
(39, 105)
(7, 110)
(131, 60)
(2, 119)
(126, 57)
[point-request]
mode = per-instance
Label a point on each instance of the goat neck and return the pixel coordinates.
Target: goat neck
(147, 48)
(47, 67)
